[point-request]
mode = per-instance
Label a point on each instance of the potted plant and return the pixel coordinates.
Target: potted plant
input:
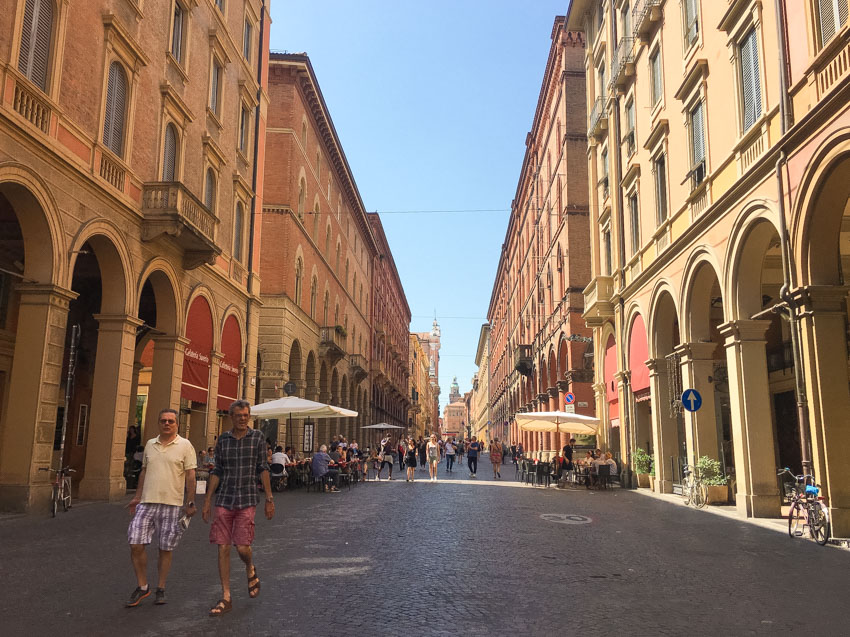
(652, 478)
(340, 329)
(712, 476)
(643, 464)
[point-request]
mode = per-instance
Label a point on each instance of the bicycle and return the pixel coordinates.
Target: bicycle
(61, 489)
(693, 490)
(807, 509)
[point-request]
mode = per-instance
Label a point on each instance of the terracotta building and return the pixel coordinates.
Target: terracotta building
(481, 390)
(129, 139)
(538, 348)
(719, 160)
(390, 367)
(430, 342)
(421, 417)
(316, 262)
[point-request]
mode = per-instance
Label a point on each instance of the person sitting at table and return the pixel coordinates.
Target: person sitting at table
(323, 466)
(280, 457)
(335, 455)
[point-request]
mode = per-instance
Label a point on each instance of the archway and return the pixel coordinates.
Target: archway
(229, 369)
(611, 435)
(639, 387)
(333, 423)
(295, 375)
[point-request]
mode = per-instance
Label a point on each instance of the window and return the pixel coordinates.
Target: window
(832, 16)
(177, 29)
(659, 169)
(606, 251)
(169, 153)
(336, 314)
(244, 133)
(247, 36)
(36, 34)
(215, 86)
(600, 79)
(325, 309)
(603, 172)
(626, 21)
(299, 274)
(346, 274)
(318, 164)
(314, 284)
(697, 132)
(304, 134)
(116, 109)
(631, 142)
(634, 216)
(655, 73)
(302, 196)
(316, 224)
(691, 23)
(209, 190)
(750, 84)
(220, 5)
(328, 242)
(336, 266)
(238, 222)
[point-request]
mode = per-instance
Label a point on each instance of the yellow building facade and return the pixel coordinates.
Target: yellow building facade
(719, 150)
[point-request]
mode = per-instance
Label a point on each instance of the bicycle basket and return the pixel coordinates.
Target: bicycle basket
(812, 490)
(790, 490)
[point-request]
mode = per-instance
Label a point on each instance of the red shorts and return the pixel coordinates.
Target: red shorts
(233, 526)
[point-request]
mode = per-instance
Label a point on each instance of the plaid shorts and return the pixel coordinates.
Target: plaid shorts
(163, 518)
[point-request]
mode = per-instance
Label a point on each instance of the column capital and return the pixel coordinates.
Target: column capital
(542, 398)
(33, 293)
(553, 392)
(696, 351)
(623, 377)
(167, 340)
(744, 330)
(117, 322)
(656, 366)
(563, 386)
(821, 298)
(216, 357)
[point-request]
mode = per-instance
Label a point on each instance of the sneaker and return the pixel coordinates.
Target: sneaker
(160, 597)
(137, 596)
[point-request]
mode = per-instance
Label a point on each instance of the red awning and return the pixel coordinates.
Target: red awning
(610, 384)
(228, 371)
(196, 357)
(638, 355)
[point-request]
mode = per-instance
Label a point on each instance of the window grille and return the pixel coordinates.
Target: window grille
(36, 37)
(697, 172)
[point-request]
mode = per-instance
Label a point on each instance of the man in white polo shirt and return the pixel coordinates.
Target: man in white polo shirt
(168, 466)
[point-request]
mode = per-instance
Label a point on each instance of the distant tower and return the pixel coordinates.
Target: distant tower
(454, 391)
(434, 354)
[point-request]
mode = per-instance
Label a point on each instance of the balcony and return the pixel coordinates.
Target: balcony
(622, 65)
(379, 368)
(522, 359)
(357, 365)
(598, 301)
(169, 208)
(598, 117)
(29, 105)
(645, 17)
(332, 343)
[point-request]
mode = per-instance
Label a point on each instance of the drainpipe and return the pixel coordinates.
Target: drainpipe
(253, 216)
(786, 109)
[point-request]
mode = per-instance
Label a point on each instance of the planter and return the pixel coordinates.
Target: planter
(718, 494)
(643, 480)
(652, 482)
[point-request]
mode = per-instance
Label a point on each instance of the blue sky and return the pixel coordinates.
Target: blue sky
(432, 102)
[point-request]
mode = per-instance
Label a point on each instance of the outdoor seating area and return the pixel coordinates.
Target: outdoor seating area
(591, 475)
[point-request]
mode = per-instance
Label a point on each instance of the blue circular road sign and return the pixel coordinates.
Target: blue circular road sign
(691, 400)
(569, 398)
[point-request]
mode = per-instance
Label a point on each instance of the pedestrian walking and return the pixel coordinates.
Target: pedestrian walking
(433, 451)
(386, 457)
(423, 453)
(410, 460)
(401, 450)
(167, 481)
(450, 456)
(496, 453)
(472, 456)
(460, 447)
(240, 458)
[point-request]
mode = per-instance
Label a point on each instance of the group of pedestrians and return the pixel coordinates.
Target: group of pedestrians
(165, 501)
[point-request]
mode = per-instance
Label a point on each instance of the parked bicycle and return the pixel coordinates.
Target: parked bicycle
(61, 489)
(693, 490)
(808, 508)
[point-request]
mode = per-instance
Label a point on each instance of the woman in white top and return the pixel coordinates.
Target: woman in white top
(433, 452)
(450, 456)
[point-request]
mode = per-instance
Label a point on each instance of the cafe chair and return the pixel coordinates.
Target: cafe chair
(603, 474)
(278, 476)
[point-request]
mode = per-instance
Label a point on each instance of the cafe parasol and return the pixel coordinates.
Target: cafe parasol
(556, 421)
(295, 407)
(382, 425)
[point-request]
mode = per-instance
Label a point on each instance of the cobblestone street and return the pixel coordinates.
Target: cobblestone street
(459, 557)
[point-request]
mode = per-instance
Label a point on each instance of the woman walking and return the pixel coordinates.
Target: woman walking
(450, 456)
(410, 460)
(433, 457)
(496, 453)
(386, 457)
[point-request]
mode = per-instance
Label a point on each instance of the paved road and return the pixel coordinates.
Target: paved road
(458, 557)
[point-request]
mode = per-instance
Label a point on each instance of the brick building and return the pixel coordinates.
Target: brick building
(316, 262)
(538, 348)
(129, 138)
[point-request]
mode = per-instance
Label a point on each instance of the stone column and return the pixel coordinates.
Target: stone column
(113, 374)
(26, 438)
(825, 363)
(752, 426)
(563, 388)
(134, 391)
(664, 432)
(547, 438)
(166, 378)
(700, 426)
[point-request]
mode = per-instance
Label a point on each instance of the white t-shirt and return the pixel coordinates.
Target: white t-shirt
(450, 449)
(280, 458)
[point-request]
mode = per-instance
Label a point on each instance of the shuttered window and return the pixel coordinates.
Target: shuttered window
(697, 127)
(116, 109)
(691, 22)
(238, 222)
(635, 222)
(35, 41)
(169, 153)
(246, 40)
(659, 169)
(655, 72)
(750, 85)
(832, 16)
(215, 85)
(209, 190)
(177, 32)
(244, 119)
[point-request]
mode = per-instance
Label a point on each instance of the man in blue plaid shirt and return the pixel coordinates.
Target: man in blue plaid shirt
(240, 458)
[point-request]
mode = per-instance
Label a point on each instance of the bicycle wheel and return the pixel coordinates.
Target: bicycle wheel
(700, 497)
(54, 501)
(66, 494)
(687, 489)
(796, 519)
(819, 523)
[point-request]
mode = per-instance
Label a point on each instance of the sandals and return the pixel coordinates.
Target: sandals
(221, 607)
(254, 589)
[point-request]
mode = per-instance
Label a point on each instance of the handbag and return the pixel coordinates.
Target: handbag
(201, 487)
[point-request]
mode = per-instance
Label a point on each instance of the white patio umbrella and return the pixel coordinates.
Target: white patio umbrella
(556, 421)
(299, 408)
(382, 425)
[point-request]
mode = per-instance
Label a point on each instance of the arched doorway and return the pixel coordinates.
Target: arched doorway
(295, 374)
(611, 435)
